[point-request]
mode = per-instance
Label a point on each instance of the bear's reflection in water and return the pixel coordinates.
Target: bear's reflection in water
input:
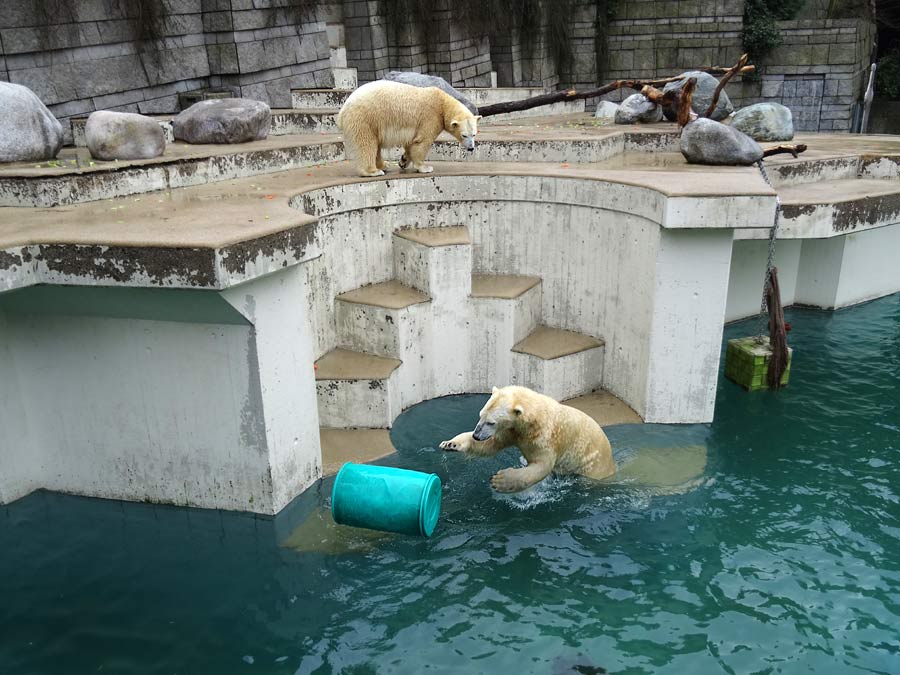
(642, 474)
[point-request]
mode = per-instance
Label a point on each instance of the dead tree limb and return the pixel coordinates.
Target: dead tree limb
(685, 114)
(785, 150)
(663, 98)
(728, 75)
(574, 95)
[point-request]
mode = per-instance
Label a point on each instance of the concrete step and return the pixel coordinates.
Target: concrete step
(435, 260)
(505, 309)
(344, 78)
(380, 319)
(480, 96)
(438, 261)
(319, 98)
(389, 320)
(558, 363)
(340, 446)
(355, 389)
(338, 57)
(284, 121)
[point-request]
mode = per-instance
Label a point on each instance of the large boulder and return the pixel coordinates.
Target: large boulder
(765, 122)
(117, 135)
(606, 111)
(705, 141)
(422, 80)
(224, 120)
(703, 94)
(638, 109)
(28, 131)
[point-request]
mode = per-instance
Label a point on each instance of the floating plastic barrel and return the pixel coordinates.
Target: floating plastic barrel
(386, 498)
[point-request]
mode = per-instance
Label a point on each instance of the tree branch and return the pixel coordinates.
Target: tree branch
(728, 75)
(574, 95)
(785, 150)
(685, 97)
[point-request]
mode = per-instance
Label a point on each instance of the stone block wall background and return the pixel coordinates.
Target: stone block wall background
(85, 55)
(818, 71)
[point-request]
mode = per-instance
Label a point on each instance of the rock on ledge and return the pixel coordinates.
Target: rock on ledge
(703, 94)
(116, 135)
(705, 141)
(765, 122)
(225, 120)
(637, 108)
(28, 131)
(422, 80)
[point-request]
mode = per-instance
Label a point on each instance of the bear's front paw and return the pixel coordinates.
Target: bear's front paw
(505, 480)
(450, 446)
(425, 169)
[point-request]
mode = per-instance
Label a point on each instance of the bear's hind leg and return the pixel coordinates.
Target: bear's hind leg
(367, 154)
(379, 160)
(414, 156)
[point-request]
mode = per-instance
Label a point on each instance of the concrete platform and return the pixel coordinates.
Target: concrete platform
(343, 364)
(451, 235)
(361, 446)
(229, 260)
(605, 409)
(552, 343)
(388, 294)
(507, 286)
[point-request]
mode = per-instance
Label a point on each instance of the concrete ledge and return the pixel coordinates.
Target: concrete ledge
(343, 364)
(552, 343)
(836, 207)
(389, 295)
(506, 286)
(451, 235)
(340, 446)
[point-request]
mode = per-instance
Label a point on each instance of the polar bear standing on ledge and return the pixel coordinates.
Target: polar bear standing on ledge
(551, 436)
(383, 115)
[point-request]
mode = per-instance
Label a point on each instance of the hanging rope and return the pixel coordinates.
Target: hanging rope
(771, 303)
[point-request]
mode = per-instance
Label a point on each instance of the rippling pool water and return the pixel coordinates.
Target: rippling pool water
(785, 559)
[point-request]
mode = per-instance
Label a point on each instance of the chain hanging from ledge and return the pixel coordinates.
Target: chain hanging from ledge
(763, 362)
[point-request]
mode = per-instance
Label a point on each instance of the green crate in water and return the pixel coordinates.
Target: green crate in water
(747, 362)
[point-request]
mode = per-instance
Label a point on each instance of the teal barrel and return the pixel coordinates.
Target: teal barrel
(386, 498)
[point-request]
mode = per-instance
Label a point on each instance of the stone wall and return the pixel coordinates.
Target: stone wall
(88, 55)
(818, 71)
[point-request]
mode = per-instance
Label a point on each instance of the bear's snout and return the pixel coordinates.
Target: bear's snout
(483, 431)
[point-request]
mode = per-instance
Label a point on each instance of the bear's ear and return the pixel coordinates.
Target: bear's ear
(518, 410)
(477, 117)
(454, 123)
(494, 390)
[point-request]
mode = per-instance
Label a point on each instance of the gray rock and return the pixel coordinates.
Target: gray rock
(422, 80)
(28, 131)
(703, 93)
(606, 111)
(226, 120)
(765, 122)
(705, 141)
(115, 135)
(638, 109)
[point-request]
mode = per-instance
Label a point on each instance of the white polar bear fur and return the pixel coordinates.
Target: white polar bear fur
(383, 115)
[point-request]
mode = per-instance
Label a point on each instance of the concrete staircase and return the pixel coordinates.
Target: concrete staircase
(327, 102)
(437, 329)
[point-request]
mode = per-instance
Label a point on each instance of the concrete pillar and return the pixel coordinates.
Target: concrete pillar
(281, 352)
(691, 286)
(194, 398)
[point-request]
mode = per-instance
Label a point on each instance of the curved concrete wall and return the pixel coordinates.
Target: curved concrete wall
(608, 268)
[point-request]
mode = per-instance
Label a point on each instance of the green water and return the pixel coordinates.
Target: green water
(786, 559)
